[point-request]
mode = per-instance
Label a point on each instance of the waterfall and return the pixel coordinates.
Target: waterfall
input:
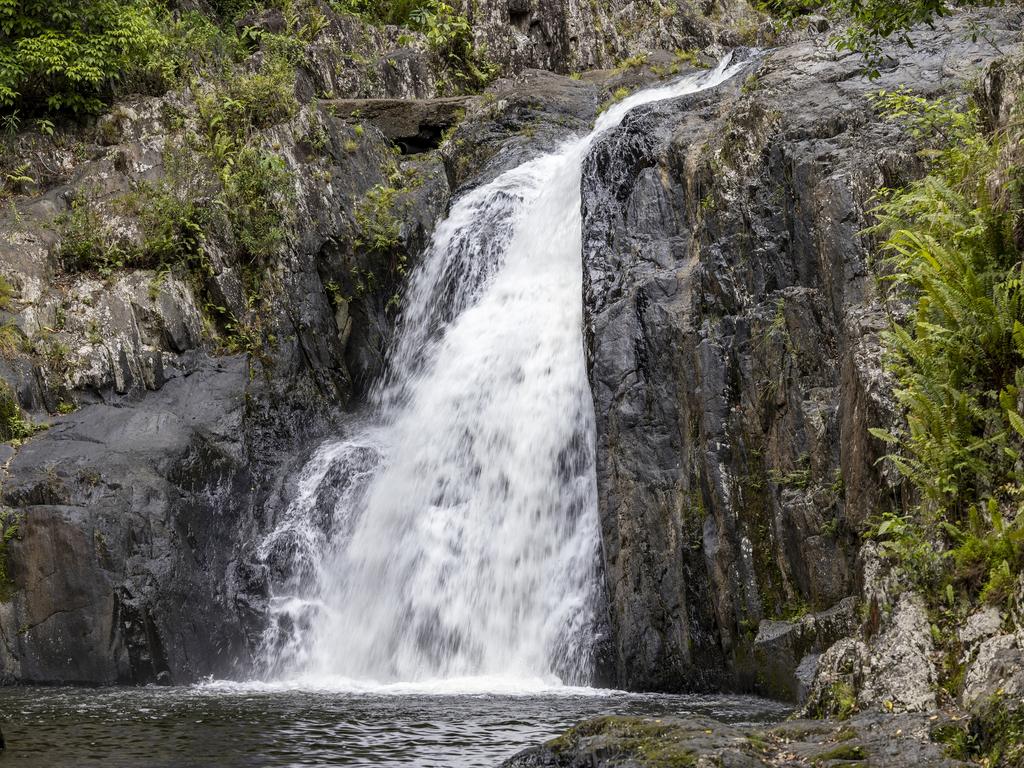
(454, 534)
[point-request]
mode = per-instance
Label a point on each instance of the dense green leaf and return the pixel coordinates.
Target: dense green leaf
(69, 54)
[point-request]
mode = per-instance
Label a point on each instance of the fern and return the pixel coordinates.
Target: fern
(956, 352)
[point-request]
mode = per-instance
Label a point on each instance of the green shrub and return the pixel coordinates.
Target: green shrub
(377, 227)
(13, 424)
(69, 54)
(246, 101)
(258, 198)
(959, 359)
(173, 225)
(957, 355)
(618, 95)
(198, 45)
(450, 35)
(84, 240)
(997, 732)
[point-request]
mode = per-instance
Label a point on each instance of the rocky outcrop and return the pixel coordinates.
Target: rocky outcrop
(893, 671)
(415, 125)
(178, 397)
(349, 59)
(732, 329)
(131, 523)
(875, 741)
(785, 654)
(515, 120)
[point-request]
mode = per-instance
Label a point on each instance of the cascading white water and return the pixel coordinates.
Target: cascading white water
(456, 535)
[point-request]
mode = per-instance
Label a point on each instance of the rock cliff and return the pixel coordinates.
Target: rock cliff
(732, 328)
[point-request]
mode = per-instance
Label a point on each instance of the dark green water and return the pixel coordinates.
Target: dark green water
(239, 726)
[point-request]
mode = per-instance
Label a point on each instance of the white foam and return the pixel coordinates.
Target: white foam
(485, 685)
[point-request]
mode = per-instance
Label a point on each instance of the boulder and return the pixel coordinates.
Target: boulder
(786, 653)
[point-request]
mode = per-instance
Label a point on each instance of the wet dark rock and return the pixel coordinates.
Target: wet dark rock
(515, 120)
(149, 509)
(732, 324)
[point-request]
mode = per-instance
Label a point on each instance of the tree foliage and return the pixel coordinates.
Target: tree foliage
(69, 54)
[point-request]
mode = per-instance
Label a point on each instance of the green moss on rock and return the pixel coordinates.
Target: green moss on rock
(652, 743)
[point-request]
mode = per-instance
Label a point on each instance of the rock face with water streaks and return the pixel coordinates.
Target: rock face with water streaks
(732, 330)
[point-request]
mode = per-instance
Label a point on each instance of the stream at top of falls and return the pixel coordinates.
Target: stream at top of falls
(437, 597)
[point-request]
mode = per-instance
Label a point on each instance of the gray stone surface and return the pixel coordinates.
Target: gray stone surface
(785, 653)
(414, 124)
(998, 668)
(576, 35)
(732, 331)
(139, 511)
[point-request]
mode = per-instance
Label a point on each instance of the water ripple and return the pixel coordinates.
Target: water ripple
(236, 725)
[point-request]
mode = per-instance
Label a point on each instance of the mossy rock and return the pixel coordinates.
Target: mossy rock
(649, 742)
